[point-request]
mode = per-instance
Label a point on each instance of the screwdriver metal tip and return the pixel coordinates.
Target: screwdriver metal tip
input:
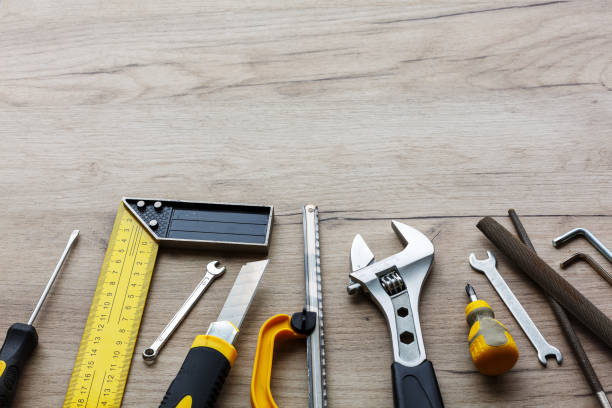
(471, 292)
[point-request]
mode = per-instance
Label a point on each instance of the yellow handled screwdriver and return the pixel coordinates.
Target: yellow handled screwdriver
(493, 349)
(21, 339)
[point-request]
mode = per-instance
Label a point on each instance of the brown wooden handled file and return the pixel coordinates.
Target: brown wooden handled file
(550, 281)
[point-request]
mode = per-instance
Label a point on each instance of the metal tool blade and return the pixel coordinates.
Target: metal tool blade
(56, 271)
(361, 256)
(314, 302)
(242, 293)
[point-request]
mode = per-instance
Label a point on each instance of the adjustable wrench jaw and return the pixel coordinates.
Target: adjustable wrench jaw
(395, 286)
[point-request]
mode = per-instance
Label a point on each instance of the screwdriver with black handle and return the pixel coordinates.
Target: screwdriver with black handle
(21, 339)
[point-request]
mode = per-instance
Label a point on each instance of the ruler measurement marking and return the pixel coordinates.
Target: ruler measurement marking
(120, 274)
(134, 249)
(101, 387)
(90, 387)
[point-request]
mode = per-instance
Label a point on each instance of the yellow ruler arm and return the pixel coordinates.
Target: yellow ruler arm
(105, 354)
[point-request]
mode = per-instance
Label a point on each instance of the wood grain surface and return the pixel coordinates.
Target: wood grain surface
(435, 113)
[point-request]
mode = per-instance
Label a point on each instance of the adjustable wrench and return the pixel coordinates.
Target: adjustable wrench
(488, 267)
(394, 284)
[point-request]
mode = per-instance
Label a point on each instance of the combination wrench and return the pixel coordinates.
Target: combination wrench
(488, 267)
(212, 272)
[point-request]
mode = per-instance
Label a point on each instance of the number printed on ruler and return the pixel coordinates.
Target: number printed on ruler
(104, 357)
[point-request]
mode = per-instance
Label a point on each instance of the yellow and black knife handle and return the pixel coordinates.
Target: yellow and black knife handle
(21, 340)
(201, 377)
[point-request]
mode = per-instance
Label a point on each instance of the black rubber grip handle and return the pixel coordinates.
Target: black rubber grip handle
(201, 377)
(416, 387)
(21, 340)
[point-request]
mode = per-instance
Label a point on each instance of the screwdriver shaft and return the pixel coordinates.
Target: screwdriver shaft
(58, 267)
(469, 289)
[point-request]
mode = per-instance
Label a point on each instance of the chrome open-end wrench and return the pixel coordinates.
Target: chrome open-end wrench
(488, 267)
(212, 272)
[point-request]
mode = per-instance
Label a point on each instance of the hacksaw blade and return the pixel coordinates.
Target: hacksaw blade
(314, 303)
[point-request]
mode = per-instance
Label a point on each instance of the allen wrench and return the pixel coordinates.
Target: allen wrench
(583, 232)
(579, 256)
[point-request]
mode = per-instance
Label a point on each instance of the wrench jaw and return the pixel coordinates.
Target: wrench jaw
(481, 265)
(552, 352)
(394, 284)
(213, 268)
(416, 242)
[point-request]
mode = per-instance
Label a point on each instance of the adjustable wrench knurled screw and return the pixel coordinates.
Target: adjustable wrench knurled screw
(212, 272)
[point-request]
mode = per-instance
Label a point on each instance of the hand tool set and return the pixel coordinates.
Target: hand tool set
(212, 272)
(488, 267)
(549, 280)
(563, 296)
(394, 284)
(211, 356)
(566, 326)
(307, 323)
(141, 227)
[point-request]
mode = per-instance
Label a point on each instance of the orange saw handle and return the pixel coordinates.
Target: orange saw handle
(281, 327)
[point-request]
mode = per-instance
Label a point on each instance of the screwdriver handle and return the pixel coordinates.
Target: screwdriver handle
(201, 377)
(492, 348)
(21, 340)
(416, 387)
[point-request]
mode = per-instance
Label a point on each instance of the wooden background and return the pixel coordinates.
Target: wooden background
(435, 113)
